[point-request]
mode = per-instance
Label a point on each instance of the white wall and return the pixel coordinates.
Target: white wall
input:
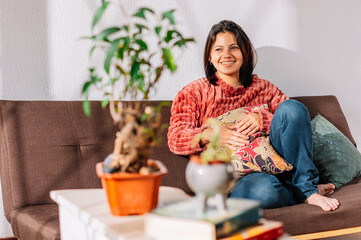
(305, 47)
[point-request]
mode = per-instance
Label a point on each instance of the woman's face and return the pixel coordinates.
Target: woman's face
(226, 56)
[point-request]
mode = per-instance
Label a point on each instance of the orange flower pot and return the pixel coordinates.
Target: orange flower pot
(131, 193)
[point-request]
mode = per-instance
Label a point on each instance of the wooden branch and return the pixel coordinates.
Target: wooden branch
(115, 115)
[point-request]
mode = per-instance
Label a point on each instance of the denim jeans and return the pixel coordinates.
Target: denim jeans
(291, 136)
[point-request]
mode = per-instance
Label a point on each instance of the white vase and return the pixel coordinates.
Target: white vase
(209, 180)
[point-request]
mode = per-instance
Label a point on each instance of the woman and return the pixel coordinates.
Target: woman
(230, 84)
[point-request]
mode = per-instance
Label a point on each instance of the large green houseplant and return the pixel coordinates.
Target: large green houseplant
(136, 54)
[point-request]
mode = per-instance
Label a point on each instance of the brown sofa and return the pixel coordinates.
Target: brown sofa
(47, 145)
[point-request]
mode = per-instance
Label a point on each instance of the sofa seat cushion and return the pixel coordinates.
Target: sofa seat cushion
(305, 218)
(36, 222)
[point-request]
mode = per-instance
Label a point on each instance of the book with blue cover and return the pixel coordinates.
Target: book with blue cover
(183, 220)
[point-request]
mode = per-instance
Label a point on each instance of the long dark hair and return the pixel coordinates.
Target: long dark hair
(248, 52)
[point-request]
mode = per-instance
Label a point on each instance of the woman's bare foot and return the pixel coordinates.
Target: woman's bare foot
(326, 189)
(327, 204)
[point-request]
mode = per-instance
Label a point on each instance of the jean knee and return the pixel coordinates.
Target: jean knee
(263, 187)
(292, 110)
(270, 194)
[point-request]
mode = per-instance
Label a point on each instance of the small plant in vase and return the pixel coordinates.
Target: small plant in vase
(136, 56)
(215, 152)
(210, 173)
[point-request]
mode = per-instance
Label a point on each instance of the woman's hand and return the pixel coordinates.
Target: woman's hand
(249, 124)
(230, 138)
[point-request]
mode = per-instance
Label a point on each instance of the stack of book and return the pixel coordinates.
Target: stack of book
(183, 220)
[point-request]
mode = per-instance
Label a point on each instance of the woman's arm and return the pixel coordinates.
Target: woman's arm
(185, 123)
(260, 120)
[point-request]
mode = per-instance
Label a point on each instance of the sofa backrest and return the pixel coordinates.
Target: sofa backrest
(48, 145)
(328, 107)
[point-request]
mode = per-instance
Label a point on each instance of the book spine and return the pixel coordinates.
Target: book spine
(240, 221)
(271, 234)
(257, 233)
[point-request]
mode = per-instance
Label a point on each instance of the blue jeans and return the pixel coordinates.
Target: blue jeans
(291, 136)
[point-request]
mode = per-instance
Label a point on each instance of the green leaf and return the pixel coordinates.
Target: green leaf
(141, 12)
(126, 43)
(94, 79)
(142, 44)
(158, 72)
(103, 35)
(99, 13)
(86, 87)
(158, 29)
(110, 54)
(86, 107)
(92, 50)
(169, 15)
(141, 27)
(134, 55)
(169, 60)
(143, 117)
(183, 41)
(123, 47)
(149, 131)
(164, 125)
(161, 105)
(121, 53)
(171, 35)
(105, 103)
(113, 80)
(134, 71)
(141, 83)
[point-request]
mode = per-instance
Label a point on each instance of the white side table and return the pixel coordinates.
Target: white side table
(85, 215)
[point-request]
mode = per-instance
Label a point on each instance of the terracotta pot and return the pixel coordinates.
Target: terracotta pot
(131, 193)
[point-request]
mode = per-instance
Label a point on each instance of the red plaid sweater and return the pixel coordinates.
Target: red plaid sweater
(200, 100)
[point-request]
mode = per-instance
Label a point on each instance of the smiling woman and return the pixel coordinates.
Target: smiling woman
(226, 57)
(227, 37)
(230, 84)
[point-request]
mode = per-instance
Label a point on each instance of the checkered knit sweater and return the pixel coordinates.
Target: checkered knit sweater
(200, 100)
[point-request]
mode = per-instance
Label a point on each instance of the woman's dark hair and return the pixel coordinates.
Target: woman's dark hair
(248, 52)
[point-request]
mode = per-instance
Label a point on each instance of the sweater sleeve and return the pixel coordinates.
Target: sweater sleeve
(273, 98)
(185, 123)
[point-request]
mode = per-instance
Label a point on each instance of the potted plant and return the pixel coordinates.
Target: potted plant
(136, 54)
(210, 173)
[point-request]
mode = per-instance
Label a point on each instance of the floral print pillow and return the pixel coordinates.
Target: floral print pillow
(259, 155)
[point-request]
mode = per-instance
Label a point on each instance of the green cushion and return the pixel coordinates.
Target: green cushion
(336, 158)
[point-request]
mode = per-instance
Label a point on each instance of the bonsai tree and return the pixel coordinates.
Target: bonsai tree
(214, 151)
(136, 54)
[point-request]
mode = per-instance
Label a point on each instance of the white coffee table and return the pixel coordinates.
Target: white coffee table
(85, 215)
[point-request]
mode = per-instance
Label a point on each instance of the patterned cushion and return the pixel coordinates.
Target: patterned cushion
(336, 158)
(259, 155)
(230, 118)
